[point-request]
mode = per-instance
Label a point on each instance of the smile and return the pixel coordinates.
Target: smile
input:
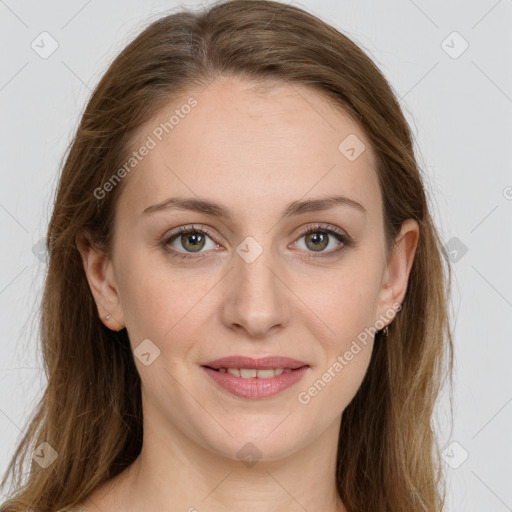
(253, 383)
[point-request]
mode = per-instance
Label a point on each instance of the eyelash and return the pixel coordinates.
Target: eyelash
(342, 237)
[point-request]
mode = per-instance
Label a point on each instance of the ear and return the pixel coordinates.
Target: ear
(396, 276)
(100, 274)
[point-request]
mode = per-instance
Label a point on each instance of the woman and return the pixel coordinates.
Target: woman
(246, 304)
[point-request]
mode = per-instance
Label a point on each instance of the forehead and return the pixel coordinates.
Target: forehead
(251, 149)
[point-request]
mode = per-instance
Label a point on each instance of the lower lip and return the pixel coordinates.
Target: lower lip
(255, 387)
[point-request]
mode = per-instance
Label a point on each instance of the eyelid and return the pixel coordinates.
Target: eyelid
(342, 236)
(190, 228)
(329, 228)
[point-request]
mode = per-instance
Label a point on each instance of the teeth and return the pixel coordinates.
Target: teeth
(248, 373)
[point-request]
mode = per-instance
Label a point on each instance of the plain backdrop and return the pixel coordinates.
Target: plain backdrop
(449, 63)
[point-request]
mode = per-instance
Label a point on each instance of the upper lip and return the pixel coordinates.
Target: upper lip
(261, 363)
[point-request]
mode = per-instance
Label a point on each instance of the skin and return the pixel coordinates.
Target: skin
(254, 152)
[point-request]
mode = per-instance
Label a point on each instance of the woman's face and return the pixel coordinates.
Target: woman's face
(251, 283)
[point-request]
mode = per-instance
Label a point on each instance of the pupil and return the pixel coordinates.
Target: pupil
(193, 240)
(318, 239)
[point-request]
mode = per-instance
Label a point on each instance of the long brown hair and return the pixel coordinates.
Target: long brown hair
(90, 412)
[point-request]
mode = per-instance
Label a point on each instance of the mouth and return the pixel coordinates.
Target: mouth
(272, 362)
(255, 378)
(252, 373)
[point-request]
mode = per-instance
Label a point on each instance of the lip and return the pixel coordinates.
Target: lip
(261, 363)
(254, 387)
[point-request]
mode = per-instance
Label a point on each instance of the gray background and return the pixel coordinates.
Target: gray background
(458, 104)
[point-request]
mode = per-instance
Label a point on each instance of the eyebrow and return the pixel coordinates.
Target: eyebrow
(211, 208)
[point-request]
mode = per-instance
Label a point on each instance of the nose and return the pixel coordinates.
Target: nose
(257, 299)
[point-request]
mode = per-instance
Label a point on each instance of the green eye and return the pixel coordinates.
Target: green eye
(193, 240)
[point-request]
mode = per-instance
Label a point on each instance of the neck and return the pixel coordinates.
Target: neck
(173, 472)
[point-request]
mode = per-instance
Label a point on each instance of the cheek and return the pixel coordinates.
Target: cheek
(345, 303)
(343, 299)
(156, 298)
(336, 385)
(344, 356)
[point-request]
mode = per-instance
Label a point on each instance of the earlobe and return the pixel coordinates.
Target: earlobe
(399, 266)
(100, 276)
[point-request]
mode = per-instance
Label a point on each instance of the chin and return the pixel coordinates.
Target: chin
(261, 443)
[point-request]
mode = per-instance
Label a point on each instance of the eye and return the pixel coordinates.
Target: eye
(190, 239)
(318, 237)
(193, 240)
